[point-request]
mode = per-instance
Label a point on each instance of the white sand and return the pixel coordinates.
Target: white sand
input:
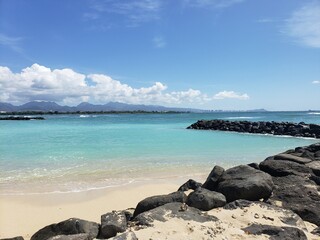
(23, 215)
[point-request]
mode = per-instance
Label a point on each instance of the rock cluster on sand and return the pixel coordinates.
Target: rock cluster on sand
(276, 199)
(275, 128)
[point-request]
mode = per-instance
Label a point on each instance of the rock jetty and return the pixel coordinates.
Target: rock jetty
(275, 128)
(277, 199)
(21, 118)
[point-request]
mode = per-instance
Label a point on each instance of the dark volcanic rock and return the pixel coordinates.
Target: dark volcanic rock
(241, 203)
(279, 168)
(290, 157)
(190, 184)
(112, 223)
(14, 238)
(275, 128)
(212, 180)
(244, 182)
(276, 233)
(299, 195)
(315, 167)
(173, 210)
(156, 201)
(206, 200)
(68, 227)
(22, 118)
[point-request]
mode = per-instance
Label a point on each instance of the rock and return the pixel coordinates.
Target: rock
(279, 168)
(241, 203)
(14, 238)
(112, 223)
(156, 201)
(316, 231)
(254, 165)
(289, 157)
(190, 184)
(125, 236)
(315, 167)
(316, 179)
(276, 233)
(275, 128)
(81, 236)
(299, 195)
(244, 182)
(206, 200)
(212, 180)
(68, 227)
(172, 210)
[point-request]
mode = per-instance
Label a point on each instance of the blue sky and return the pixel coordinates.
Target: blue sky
(210, 54)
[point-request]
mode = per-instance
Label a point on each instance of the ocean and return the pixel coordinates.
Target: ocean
(69, 153)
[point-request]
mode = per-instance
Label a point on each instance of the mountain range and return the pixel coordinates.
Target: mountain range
(43, 106)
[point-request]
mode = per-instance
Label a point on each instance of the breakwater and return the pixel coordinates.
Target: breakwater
(275, 128)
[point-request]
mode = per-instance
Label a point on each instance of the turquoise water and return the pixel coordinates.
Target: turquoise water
(80, 152)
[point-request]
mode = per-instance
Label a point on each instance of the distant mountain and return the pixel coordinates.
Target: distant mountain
(43, 106)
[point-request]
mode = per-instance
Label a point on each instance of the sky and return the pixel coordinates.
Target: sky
(207, 54)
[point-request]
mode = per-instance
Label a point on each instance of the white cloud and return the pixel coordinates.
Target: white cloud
(69, 87)
(304, 25)
(231, 94)
(316, 82)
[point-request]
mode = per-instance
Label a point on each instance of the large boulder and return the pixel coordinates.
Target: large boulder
(280, 168)
(212, 180)
(206, 200)
(299, 195)
(112, 223)
(68, 227)
(275, 232)
(244, 182)
(156, 201)
(172, 210)
(293, 158)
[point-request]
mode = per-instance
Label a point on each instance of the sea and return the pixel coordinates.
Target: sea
(72, 153)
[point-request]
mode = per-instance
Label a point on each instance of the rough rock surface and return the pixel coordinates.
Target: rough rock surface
(244, 182)
(156, 201)
(172, 210)
(299, 195)
(206, 200)
(276, 233)
(212, 181)
(68, 227)
(112, 223)
(190, 184)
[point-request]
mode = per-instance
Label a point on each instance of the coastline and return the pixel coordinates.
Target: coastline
(25, 214)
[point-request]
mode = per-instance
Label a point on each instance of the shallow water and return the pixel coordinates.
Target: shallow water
(80, 152)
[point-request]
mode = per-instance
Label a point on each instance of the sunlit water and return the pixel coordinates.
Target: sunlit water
(80, 152)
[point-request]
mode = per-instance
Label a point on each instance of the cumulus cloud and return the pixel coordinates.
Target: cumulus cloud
(304, 25)
(231, 94)
(66, 86)
(69, 87)
(316, 82)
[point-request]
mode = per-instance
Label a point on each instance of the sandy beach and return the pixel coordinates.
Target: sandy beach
(23, 215)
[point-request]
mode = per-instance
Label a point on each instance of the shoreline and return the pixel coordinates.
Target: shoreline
(25, 214)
